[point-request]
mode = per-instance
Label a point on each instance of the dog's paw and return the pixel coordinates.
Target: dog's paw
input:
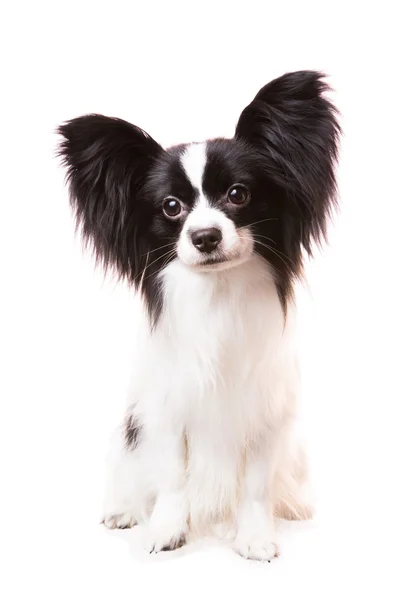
(164, 535)
(119, 521)
(255, 547)
(168, 526)
(164, 541)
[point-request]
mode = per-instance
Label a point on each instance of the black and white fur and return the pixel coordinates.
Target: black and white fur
(212, 236)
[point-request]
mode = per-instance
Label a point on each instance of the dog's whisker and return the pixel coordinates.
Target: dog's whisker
(253, 237)
(160, 248)
(261, 221)
(167, 255)
(280, 255)
(169, 252)
(264, 237)
(143, 272)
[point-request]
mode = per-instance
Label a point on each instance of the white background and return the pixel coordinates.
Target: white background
(184, 72)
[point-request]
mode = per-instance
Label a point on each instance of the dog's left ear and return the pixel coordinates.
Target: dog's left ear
(295, 130)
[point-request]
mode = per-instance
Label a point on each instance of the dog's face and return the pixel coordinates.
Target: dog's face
(210, 205)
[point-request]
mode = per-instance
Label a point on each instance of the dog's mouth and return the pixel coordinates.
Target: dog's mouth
(214, 261)
(219, 262)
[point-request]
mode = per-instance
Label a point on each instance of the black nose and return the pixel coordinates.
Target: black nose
(206, 240)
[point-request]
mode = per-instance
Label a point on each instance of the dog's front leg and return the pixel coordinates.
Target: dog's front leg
(255, 537)
(168, 525)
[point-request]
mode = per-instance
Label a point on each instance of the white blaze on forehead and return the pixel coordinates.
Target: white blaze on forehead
(202, 215)
(233, 246)
(194, 162)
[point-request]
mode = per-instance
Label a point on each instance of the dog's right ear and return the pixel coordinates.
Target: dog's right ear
(107, 161)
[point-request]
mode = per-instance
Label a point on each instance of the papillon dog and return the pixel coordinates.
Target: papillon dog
(213, 236)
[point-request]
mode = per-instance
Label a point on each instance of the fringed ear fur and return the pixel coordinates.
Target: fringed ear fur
(107, 161)
(295, 129)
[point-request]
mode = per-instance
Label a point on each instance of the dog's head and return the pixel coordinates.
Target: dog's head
(211, 205)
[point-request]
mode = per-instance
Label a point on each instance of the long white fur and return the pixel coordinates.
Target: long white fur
(215, 391)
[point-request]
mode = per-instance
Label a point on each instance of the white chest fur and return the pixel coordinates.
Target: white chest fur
(220, 368)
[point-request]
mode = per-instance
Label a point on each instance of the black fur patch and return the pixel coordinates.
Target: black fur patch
(132, 431)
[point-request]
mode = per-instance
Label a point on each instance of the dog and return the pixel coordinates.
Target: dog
(213, 237)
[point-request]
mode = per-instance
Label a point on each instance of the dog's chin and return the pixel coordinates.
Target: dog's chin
(219, 263)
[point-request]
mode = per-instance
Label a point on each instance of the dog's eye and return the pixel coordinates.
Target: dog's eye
(172, 207)
(238, 194)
